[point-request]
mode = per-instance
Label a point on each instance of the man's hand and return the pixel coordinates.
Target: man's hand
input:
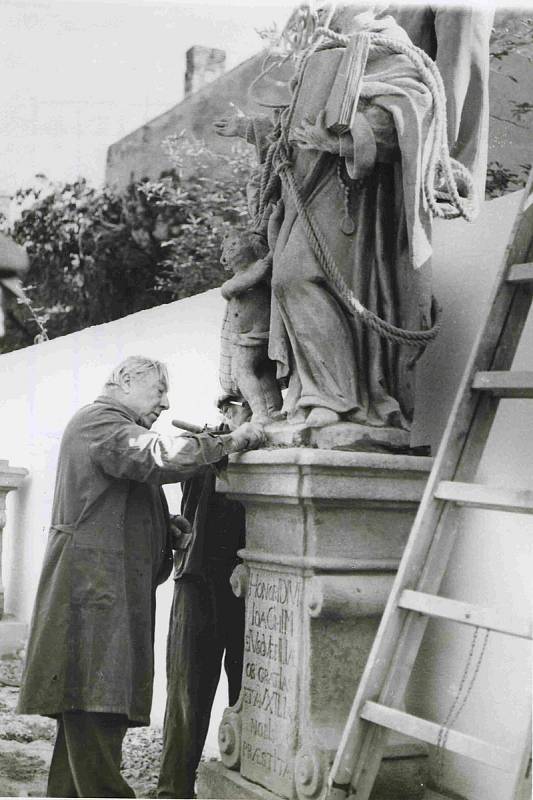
(233, 125)
(315, 135)
(180, 532)
(248, 436)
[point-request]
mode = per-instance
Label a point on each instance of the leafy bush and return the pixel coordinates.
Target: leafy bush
(97, 255)
(502, 179)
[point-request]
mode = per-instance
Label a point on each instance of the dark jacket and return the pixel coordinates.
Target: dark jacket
(218, 526)
(91, 640)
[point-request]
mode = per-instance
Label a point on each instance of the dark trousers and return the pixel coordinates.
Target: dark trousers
(87, 755)
(206, 621)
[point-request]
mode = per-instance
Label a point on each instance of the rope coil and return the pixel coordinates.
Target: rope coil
(439, 182)
(321, 250)
(440, 160)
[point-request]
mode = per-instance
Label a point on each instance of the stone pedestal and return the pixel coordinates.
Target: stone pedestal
(325, 531)
(12, 633)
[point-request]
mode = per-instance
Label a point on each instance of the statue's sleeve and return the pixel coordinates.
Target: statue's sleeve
(258, 133)
(462, 35)
(372, 139)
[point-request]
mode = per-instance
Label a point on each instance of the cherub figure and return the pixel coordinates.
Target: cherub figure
(251, 373)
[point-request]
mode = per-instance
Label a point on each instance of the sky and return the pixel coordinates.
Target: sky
(76, 75)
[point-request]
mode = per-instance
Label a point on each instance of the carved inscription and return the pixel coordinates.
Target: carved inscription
(271, 643)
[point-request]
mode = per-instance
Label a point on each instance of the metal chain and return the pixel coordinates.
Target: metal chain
(459, 702)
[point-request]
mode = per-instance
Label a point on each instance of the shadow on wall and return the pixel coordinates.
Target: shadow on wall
(466, 259)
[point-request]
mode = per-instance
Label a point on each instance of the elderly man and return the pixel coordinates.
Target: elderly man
(90, 651)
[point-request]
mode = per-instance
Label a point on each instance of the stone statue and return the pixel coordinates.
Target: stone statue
(350, 233)
(246, 370)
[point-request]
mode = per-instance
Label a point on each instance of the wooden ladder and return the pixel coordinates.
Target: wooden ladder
(377, 707)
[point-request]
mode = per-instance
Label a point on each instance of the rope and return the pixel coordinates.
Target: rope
(440, 165)
(321, 250)
(440, 160)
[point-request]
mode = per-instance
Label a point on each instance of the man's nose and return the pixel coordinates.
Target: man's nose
(164, 402)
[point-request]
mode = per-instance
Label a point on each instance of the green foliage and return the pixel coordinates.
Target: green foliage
(212, 199)
(97, 255)
(502, 179)
(512, 35)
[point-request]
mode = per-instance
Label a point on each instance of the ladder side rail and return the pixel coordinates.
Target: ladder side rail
(523, 765)
(427, 522)
(397, 656)
(397, 660)
(351, 748)
(400, 634)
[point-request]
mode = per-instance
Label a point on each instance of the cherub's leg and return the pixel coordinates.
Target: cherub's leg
(247, 360)
(271, 390)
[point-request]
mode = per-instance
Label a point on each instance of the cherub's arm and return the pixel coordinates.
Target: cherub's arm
(254, 130)
(242, 281)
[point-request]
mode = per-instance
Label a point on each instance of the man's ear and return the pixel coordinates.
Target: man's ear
(125, 383)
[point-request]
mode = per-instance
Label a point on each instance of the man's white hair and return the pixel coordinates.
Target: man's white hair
(137, 365)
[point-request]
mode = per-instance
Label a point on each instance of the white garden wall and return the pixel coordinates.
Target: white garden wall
(41, 387)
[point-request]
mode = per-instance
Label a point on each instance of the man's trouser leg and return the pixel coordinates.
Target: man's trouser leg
(230, 610)
(87, 755)
(194, 656)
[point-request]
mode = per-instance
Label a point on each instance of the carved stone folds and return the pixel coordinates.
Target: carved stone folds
(10, 478)
(229, 736)
(325, 531)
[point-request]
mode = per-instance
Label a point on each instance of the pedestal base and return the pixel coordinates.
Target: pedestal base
(13, 636)
(339, 436)
(396, 781)
(325, 531)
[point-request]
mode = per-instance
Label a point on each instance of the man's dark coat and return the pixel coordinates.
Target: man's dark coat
(91, 640)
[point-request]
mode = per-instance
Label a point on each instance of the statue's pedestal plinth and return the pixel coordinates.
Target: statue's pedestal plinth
(325, 531)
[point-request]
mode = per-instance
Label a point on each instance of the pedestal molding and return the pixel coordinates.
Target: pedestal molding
(321, 563)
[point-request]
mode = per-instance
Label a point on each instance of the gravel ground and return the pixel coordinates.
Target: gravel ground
(26, 745)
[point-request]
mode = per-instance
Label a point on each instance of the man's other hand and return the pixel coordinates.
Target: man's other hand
(180, 532)
(248, 436)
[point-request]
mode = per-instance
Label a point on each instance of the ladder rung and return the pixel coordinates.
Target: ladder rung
(521, 273)
(430, 732)
(505, 384)
(476, 495)
(465, 613)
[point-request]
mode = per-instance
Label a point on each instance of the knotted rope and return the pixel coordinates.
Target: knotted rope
(440, 164)
(440, 160)
(322, 252)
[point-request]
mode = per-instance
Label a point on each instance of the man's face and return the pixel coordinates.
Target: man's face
(147, 395)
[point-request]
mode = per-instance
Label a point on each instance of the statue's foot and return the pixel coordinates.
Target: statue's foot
(318, 417)
(260, 419)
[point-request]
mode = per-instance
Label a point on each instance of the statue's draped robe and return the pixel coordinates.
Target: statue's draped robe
(334, 361)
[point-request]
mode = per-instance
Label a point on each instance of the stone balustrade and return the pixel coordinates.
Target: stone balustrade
(10, 478)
